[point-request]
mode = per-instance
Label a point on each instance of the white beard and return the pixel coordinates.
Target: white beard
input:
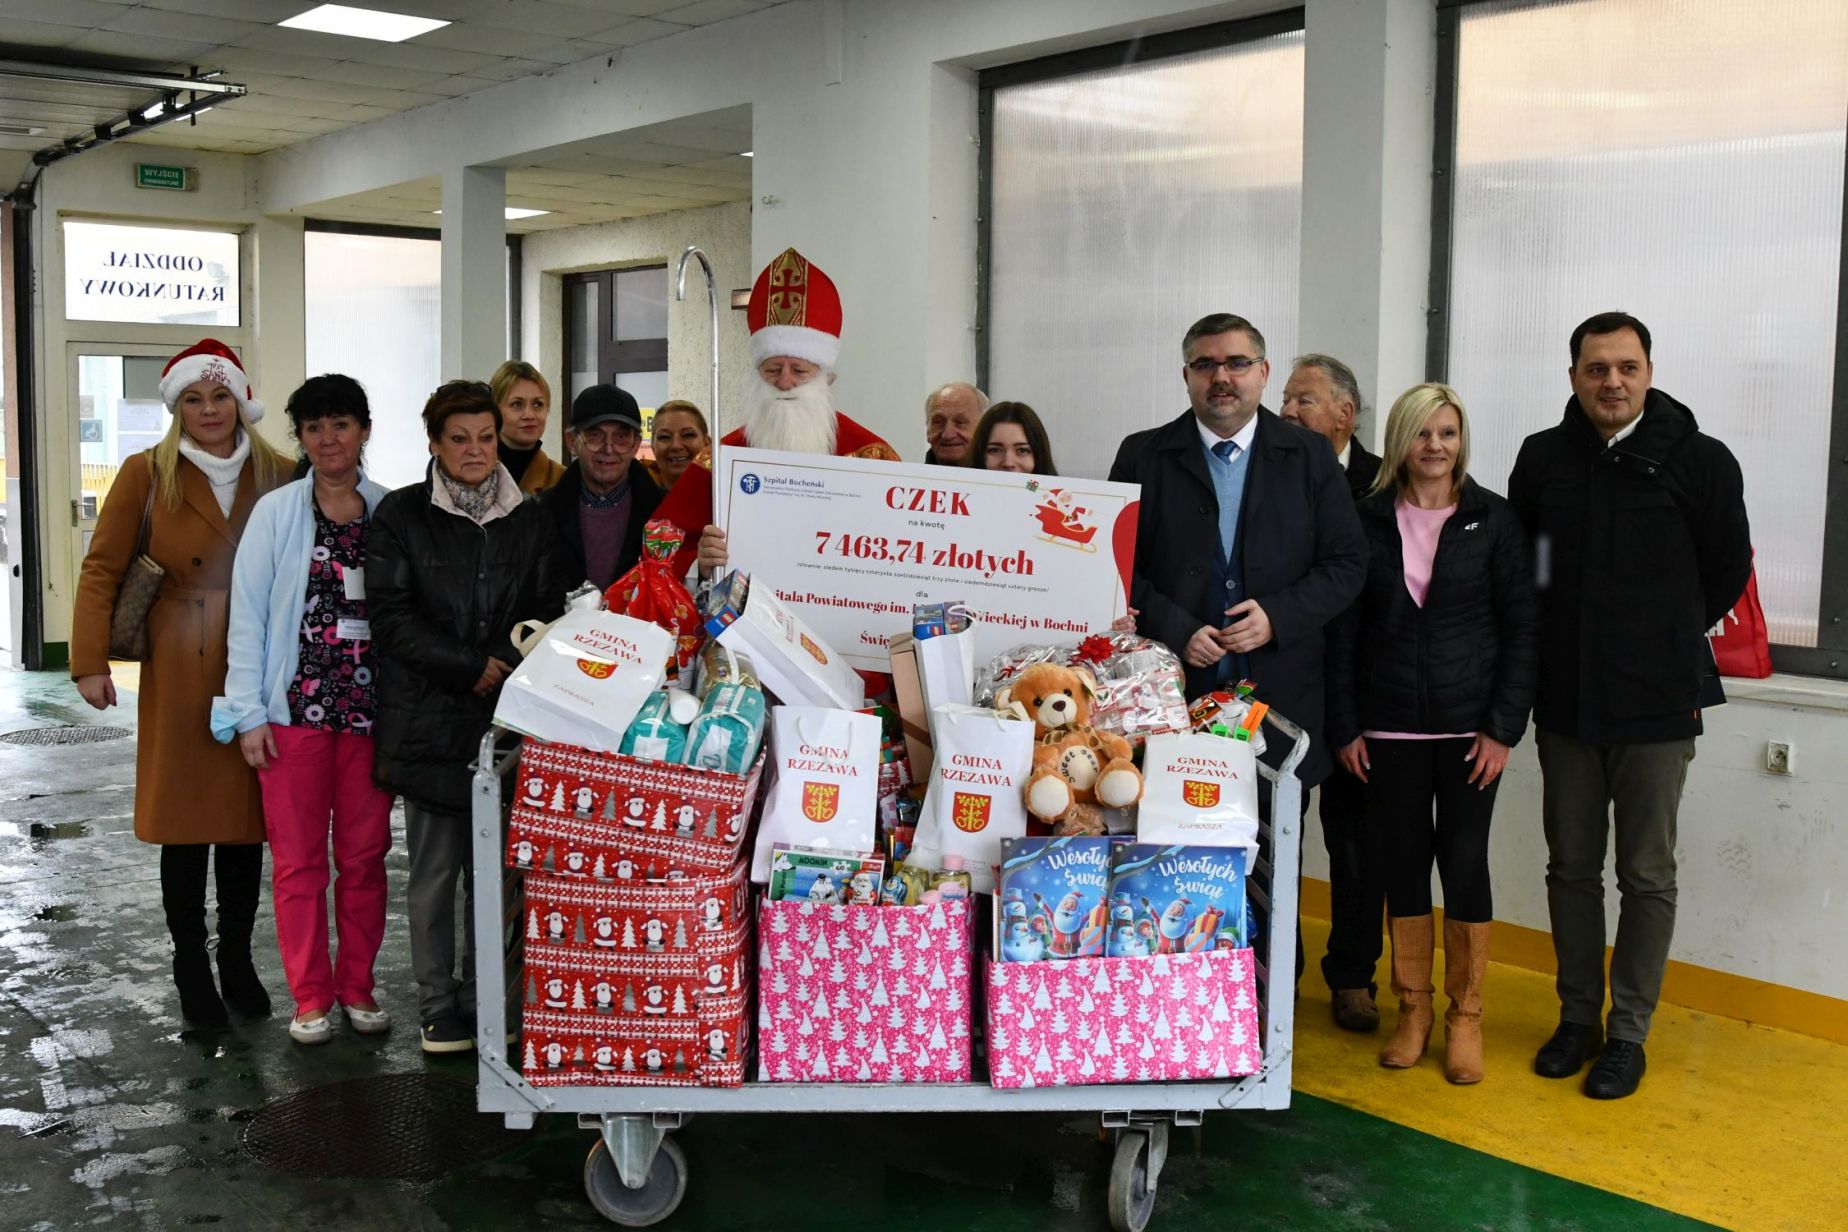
(800, 420)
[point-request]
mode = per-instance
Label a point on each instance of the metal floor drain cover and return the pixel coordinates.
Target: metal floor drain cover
(90, 733)
(411, 1127)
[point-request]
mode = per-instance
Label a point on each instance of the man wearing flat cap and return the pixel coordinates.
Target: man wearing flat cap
(602, 502)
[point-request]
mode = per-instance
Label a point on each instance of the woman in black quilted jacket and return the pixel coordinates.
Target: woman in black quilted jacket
(452, 565)
(1433, 674)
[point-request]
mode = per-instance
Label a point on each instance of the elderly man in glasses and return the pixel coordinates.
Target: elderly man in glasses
(1248, 542)
(601, 503)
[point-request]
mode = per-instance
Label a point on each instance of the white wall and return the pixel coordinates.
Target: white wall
(723, 232)
(1762, 862)
(100, 185)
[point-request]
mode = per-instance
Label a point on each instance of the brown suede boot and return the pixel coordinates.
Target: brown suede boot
(1412, 938)
(1466, 963)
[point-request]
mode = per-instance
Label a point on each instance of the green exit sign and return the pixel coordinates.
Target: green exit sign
(153, 175)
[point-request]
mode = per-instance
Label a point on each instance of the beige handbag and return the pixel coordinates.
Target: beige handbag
(128, 623)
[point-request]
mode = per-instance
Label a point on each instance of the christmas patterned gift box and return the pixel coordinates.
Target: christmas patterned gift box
(571, 1050)
(635, 983)
(1166, 1018)
(702, 914)
(589, 1014)
(863, 994)
(606, 816)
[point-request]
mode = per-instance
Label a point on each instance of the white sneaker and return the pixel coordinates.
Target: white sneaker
(312, 1031)
(367, 1022)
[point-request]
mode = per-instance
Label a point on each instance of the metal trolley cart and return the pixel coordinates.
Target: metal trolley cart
(636, 1175)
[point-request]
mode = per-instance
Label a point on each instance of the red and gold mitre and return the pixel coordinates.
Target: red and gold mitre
(794, 310)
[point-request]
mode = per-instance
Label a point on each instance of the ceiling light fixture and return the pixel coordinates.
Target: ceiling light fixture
(748, 154)
(513, 213)
(363, 23)
(9, 128)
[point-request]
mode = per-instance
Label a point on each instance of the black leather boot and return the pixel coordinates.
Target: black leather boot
(182, 895)
(239, 867)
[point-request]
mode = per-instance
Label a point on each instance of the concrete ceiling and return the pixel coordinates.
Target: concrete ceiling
(303, 84)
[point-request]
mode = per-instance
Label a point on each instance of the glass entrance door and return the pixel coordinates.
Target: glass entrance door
(117, 413)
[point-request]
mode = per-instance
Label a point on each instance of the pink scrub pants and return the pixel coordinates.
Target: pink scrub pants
(320, 782)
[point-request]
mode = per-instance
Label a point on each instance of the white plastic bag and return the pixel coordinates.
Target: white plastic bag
(1199, 789)
(824, 786)
(790, 658)
(946, 668)
(583, 679)
(973, 799)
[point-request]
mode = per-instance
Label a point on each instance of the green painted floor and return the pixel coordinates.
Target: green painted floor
(109, 1115)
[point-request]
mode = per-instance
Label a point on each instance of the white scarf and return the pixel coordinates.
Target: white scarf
(221, 473)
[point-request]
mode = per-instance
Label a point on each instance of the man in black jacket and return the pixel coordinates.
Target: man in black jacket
(1323, 396)
(601, 504)
(1248, 543)
(1641, 545)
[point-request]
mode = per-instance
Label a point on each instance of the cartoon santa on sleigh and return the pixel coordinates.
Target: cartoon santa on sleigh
(1062, 521)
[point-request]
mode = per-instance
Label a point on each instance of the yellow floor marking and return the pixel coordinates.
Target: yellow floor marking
(1739, 1125)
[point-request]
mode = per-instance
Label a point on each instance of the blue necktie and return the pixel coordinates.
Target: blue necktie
(1228, 519)
(1229, 487)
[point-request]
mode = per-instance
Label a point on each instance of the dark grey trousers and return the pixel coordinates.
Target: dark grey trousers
(440, 851)
(1584, 785)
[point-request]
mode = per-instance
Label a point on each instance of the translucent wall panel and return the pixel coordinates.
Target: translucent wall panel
(1127, 204)
(374, 313)
(1680, 160)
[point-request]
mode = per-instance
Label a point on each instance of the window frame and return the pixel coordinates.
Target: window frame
(1829, 657)
(1212, 37)
(515, 260)
(613, 358)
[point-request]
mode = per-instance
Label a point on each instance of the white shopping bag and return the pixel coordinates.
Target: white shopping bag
(791, 659)
(946, 668)
(1199, 789)
(584, 678)
(824, 790)
(974, 797)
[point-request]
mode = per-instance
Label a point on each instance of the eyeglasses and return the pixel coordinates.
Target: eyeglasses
(1237, 365)
(608, 439)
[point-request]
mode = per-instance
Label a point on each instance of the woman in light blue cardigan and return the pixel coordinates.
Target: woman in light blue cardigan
(299, 700)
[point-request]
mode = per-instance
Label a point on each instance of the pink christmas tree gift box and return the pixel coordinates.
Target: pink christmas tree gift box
(1165, 1018)
(863, 994)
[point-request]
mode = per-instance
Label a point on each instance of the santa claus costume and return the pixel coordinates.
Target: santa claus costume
(795, 311)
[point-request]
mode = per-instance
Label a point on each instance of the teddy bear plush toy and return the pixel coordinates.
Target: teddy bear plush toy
(1075, 766)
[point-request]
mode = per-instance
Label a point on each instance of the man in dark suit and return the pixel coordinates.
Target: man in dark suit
(1248, 543)
(602, 503)
(1323, 396)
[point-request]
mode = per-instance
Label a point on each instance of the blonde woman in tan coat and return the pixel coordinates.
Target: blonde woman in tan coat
(192, 794)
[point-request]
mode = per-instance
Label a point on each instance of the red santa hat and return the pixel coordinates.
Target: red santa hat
(795, 310)
(209, 360)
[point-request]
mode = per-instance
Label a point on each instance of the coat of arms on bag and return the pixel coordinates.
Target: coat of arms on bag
(1197, 794)
(970, 811)
(595, 670)
(820, 800)
(809, 645)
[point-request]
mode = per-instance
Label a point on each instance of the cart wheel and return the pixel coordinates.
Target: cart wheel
(1132, 1182)
(636, 1208)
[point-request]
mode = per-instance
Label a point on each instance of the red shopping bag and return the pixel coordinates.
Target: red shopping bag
(1741, 643)
(652, 591)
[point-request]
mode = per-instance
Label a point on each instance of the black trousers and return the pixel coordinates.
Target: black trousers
(1424, 809)
(183, 868)
(1356, 885)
